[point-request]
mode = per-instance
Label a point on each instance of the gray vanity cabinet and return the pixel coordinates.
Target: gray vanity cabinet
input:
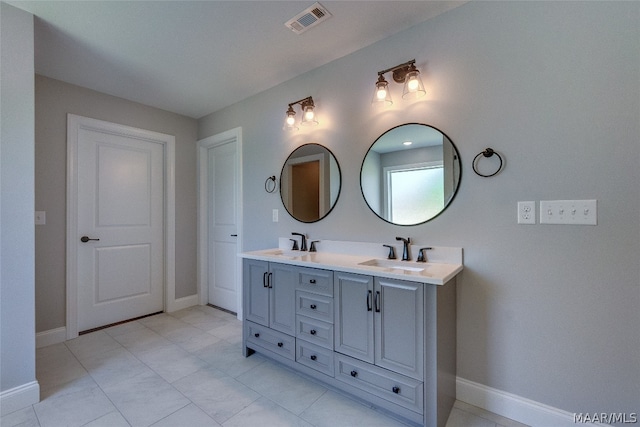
(380, 321)
(270, 298)
(388, 342)
(354, 335)
(399, 326)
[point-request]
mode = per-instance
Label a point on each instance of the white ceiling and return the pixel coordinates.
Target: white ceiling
(196, 57)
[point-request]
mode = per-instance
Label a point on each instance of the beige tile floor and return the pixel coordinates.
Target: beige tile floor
(186, 369)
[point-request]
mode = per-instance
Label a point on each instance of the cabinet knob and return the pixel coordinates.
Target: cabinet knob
(312, 281)
(256, 335)
(312, 306)
(280, 344)
(312, 332)
(396, 389)
(313, 357)
(354, 374)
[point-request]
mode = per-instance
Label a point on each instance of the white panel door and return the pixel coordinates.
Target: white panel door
(121, 203)
(223, 230)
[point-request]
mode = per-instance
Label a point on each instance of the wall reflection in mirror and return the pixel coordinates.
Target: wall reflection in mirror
(410, 174)
(310, 182)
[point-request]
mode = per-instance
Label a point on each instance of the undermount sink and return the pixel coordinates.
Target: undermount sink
(283, 254)
(394, 264)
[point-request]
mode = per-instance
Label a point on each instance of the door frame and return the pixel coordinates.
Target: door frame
(232, 135)
(74, 124)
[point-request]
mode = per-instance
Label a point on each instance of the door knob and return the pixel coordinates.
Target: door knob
(85, 239)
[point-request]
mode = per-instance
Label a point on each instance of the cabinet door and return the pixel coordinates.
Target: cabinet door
(256, 291)
(353, 295)
(399, 326)
(282, 302)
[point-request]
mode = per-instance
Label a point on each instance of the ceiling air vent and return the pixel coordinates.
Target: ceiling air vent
(308, 18)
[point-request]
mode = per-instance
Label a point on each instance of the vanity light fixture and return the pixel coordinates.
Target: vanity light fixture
(308, 114)
(406, 73)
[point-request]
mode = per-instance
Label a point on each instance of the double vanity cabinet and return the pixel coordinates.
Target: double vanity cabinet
(384, 334)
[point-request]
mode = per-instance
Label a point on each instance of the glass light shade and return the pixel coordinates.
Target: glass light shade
(413, 87)
(308, 116)
(381, 94)
(290, 121)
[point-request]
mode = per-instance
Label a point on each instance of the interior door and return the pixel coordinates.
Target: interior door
(223, 227)
(120, 253)
(306, 190)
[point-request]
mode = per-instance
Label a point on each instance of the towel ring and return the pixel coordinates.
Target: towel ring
(487, 152)
(270, 184)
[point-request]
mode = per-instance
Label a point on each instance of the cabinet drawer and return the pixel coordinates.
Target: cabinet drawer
(269, 339)
(315, 331)
(315, 357)
(404, 391)
(316, 306)
(315, 280)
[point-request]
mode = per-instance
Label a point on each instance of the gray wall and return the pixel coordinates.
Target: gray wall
(547, 312)
(17, 324)
(54, 99)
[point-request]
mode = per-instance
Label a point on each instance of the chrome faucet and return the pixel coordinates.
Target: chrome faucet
(405, 251)
(303, 242)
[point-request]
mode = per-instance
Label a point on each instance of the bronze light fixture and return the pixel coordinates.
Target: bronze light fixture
(406, 73)
(308, 114)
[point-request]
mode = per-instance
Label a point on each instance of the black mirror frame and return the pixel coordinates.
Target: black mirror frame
(339, 189)
(456, 153)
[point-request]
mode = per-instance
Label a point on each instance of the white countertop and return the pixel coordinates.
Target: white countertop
(443, 263)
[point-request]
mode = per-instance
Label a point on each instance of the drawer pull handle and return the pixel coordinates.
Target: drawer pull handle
(313, 357)
(312, 332)
(354, 374)
(257, 335)
(312, 306)
(312, 281)
(280, 344)
(396, 390)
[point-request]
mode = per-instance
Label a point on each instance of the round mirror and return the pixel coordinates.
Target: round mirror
(410, 174)
(310, 182)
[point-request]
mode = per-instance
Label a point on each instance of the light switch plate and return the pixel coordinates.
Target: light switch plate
(41, 217)
(274, 215)
(573, 212)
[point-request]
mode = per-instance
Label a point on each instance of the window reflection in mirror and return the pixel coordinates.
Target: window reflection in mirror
(310, 182)
(410, 174)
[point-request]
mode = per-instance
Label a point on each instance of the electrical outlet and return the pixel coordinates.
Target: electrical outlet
(526, 212)
(574, 212)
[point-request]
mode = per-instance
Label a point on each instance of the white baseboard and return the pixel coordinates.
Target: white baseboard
(512, 406)
(50, 337)
(19, 397)
(58, 335)
(182, 303)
